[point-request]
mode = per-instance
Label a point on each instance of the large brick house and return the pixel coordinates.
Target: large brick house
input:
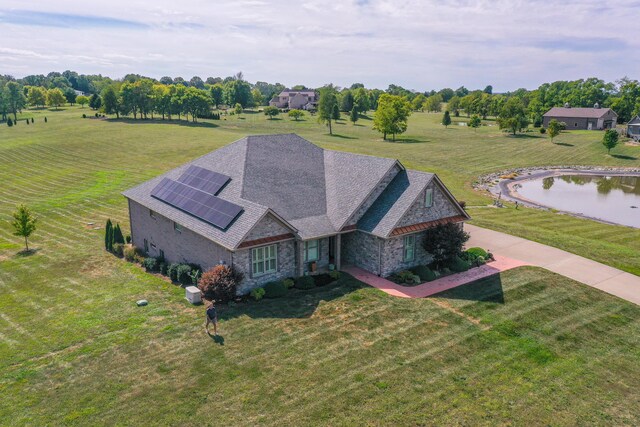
(295, 100)
(595, 118)
(299, 209)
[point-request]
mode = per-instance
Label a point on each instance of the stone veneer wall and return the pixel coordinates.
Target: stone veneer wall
(286, 266)
(267, 227)
(184, 246)
(393, 254)
(361, 249)
(442, 208)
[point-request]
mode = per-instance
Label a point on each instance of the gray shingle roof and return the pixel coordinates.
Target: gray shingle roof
(583, 113)
(381, 218)
(635, 121)
(314, 190)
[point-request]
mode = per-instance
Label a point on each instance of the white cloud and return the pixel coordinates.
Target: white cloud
(414, 43)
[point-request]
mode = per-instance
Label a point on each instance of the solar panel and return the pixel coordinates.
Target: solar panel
(204, 179)
(196, 202)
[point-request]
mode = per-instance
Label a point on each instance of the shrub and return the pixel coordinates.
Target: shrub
(444, 242)
(150, 264)
(335, 274)
(220, 283)
(31, 119)
(322, 279)
(458, 265)
(275, 289)
(172, 271)
(405, 276)
(183, 274)
(304, 282)
(416, 279)
(128, 239)
(543, 130)
(130, 253)
(462, 204)
(9, 122)
(424, 272)
(84, 116)
(45, 119)
(477, 252)
(258, 293)
(288, 283)
(118, 249)
(162, 268)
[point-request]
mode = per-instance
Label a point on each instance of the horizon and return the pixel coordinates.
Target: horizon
(509, 45)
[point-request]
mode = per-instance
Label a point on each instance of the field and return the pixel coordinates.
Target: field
(528, 347)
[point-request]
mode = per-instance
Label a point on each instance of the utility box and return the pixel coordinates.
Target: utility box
(193, 295)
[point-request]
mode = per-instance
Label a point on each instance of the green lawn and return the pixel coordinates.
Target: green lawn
(528, 347)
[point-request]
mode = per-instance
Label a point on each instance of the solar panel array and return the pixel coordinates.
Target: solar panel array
(204, 179)
(198, 203)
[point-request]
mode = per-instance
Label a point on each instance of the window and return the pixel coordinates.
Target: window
(575, 124)
(152, 214)
(177, 227)
(264, 260)
(409, 248)
(146, 246)
(153, 246)
(428, 197)
(311, 250)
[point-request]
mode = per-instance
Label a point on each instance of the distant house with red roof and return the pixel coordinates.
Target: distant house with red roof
(595, 118)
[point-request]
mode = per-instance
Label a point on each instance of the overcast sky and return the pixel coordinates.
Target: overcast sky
(419, 44)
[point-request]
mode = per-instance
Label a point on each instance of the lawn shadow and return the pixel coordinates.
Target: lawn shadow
(523, 135)
(335, 135)
(364, 117)
(25, 253)
(564, 144)
(488, 289)
(296, 304)
(218, 339)
(407, 141)
(624, 157)
(130, 121)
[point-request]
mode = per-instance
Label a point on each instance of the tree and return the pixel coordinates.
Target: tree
(335, 115)
(70, 95)
(444, 242)
(82, 100)
(353, 116)
(258, 98)
(326, 105)
(216, 93)
(237, 92)
(446, 119)
(95, 102)
(110, 101)
(433, 103)
(346, 102)
(475, 122)
(24, 223)
(271, 112)
(391, 115)
(237, 109)
(488, 89)
(296, 114)
(554, 128)
(55, 98)
(108, 235)
(418, 102)
(117, 235)
(454, 105)
(196, 82)
(361, 100)
(610, 139)
(15, 98)
(513, 116)
(37, 96)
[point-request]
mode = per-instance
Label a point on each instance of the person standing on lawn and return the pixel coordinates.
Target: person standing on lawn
(212, 317)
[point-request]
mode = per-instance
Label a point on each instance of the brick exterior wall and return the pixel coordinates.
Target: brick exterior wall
(442, 208)
(361, 249)
(323, 255)
(374, 195)
(286, 266)
(184, 246)
(393, 254)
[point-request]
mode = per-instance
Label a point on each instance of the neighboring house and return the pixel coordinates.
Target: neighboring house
(284, 207)
(595, 118)
(298, 100)
(78, 92)
(633, 128)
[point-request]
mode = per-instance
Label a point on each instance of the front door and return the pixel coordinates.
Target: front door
(332, 249)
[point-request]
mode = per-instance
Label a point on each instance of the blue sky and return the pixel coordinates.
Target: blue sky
(421, 45)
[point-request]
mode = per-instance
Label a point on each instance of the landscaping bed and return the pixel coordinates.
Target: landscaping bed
(471, 258)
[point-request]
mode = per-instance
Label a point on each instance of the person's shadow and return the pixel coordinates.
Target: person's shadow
(218, 339)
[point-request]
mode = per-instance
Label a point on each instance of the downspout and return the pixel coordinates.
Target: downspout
(379, 257)
(130, 223)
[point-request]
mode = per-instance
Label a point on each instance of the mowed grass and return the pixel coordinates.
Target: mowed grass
(527, 347)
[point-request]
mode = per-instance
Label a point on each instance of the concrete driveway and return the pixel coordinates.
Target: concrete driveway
(592, 273)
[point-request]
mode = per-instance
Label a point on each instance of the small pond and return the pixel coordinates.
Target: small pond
(610, 198)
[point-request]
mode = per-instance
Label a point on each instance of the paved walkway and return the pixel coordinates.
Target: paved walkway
(430, 288)
(592, 273)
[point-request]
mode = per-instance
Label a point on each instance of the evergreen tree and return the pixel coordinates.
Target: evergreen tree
(335, 114)
(353, 116)
(108, 235)
(95, 102)
(117, 235)
(9, 122)
(446, 120)
(346, 103)
(45, 119)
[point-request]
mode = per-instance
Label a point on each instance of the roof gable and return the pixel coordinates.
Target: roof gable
(585, 113)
